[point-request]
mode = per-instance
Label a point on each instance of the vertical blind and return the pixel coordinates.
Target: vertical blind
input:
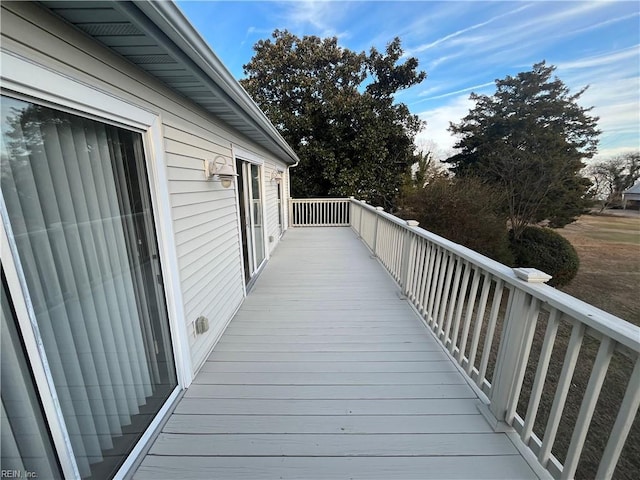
(79, 207)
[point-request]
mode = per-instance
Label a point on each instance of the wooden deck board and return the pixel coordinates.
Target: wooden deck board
(327, 424)
(508, 467)
(330, 392)
(329, 367)
(326, 372)
(412, 406)
(332, 445)
(340, 357)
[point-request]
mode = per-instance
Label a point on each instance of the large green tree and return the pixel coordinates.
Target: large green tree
(336, 108)
(530, 139)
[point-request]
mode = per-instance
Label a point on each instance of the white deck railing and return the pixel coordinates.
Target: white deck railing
(319, 212)
(487, 318)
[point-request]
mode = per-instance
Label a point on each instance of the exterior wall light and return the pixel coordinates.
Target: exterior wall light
(276, 176)
(221, 167)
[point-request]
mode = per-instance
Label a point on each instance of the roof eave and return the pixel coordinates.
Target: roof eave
(168, 25)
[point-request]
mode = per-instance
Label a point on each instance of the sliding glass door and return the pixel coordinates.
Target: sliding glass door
(78, 207)
(25, 443)
(251, 216)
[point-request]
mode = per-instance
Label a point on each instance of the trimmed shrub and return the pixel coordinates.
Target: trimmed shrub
(465, 211)
(546, 250)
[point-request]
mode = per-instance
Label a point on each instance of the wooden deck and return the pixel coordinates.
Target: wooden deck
(325, 372)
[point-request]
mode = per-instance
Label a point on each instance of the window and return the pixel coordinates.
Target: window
(79, 210)
(280, 208)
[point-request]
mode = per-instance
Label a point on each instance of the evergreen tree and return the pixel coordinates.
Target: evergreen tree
(530, 139)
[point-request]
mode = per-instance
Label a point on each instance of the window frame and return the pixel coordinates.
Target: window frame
(23, 79)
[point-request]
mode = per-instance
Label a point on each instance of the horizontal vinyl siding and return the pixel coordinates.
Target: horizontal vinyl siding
(271, 202)
(204, 214)
(205, 225)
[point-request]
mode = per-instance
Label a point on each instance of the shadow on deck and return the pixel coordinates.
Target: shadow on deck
(325, 372)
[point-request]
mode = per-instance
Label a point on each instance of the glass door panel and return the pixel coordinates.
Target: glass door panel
(256, 205)
(25, 443)
(247, 244)
(79, 208)
(280, 210)
(251, 218)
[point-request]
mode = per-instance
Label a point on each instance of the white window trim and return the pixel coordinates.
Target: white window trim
(159, 187)
(240, 153)
(28, 77)
(25, 77)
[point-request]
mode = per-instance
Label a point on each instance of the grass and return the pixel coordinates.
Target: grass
(609, 275)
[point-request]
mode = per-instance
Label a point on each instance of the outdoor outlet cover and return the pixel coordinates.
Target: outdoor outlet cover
(202, 325)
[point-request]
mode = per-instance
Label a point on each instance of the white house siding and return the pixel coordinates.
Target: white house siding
(204, 214)
(271, 202)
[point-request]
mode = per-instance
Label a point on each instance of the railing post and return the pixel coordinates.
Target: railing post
(360, 225)
(291, 212)
(375, 231)
(514, 348)
(407, 243)
(350, 211)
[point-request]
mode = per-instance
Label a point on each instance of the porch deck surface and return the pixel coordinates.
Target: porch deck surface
(325, 372)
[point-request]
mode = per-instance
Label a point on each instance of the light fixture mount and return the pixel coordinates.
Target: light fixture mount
(220, 166)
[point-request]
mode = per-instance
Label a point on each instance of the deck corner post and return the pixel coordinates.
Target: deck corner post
(407, 247)
(513, 353)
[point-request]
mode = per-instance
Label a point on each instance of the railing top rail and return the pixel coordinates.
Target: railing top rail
(318, 200)
(607, 324)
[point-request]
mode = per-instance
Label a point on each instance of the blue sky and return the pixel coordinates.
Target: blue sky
(463, 47)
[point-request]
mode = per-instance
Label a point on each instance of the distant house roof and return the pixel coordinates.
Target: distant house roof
(633, 190)
(158, 38)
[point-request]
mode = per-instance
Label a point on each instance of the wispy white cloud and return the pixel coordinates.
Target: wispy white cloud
(460, 32)
(433, 64)
(604, 23)
(523, 33)
(450, 94)
(258, 31)
(605, 59)
(438, 120)
(320, 15)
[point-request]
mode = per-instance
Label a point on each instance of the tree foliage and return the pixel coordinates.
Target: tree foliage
(529, 139)
(548, 251)
(609, 178)
(336, 108)
(424, 170)
(464, 210)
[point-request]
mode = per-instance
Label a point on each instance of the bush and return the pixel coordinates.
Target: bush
(465, 211)
(546, 250)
